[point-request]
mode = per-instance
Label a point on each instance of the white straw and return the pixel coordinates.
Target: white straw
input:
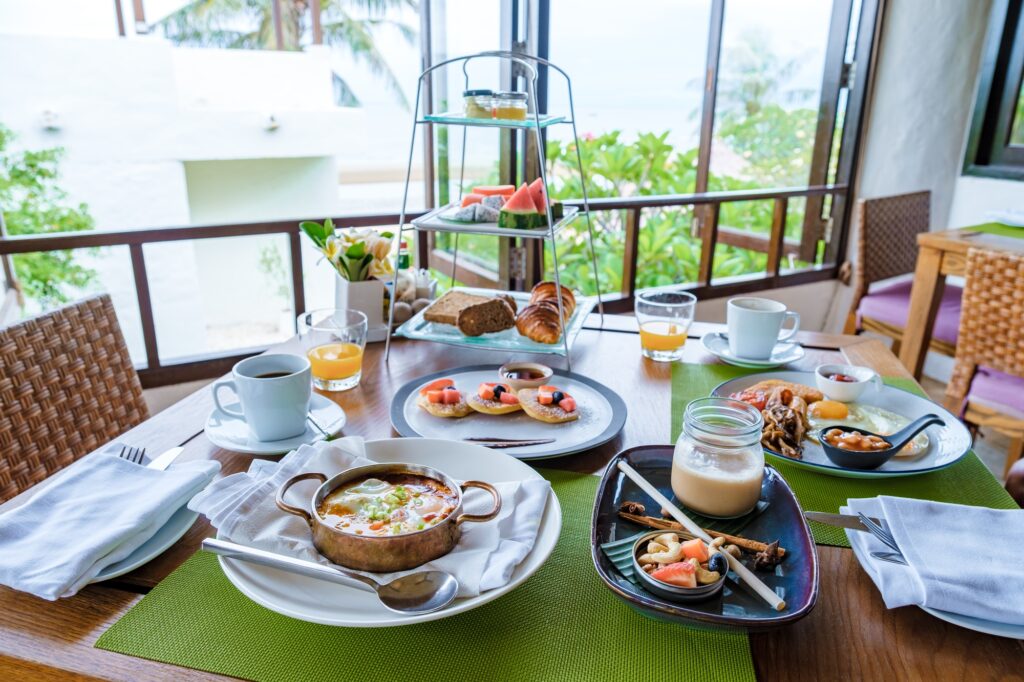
(765, 592)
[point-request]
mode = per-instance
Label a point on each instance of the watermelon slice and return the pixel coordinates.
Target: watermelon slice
(472, 198)
(489, 190)
(520, 211)
(538, 194)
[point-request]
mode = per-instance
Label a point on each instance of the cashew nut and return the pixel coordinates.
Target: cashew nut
(734, 550)
(673, 549)
(704, 576)
(653, 547)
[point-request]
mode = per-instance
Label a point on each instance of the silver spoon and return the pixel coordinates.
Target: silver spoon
(412, 594)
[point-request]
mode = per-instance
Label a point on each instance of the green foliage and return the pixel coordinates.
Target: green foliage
(350, 25)
(33, 203)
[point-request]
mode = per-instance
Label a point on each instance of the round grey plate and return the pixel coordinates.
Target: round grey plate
(602, 415)
(947, 444)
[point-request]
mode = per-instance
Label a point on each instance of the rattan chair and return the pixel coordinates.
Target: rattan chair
(67, 386)
(887, 248)
(988, 374)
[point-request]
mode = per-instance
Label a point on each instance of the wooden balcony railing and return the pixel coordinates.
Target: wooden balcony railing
(157, 373)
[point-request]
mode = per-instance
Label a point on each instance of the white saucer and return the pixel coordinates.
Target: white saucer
(717, 344)
(232, 433)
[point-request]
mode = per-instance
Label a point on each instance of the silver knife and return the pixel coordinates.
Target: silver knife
(161, 462)
(840, 520)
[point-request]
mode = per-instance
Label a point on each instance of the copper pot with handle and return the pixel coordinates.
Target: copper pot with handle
(385, 553)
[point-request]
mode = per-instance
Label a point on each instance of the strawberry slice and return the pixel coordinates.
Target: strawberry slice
(486, 391)
(681, 574)
(509, 398)
(568, 403)
(451, 396)
(436, 396)
(436, 385)
(547, 389)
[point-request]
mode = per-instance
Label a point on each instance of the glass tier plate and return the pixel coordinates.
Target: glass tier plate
(509, 340)
(434, 222)
(456, 118)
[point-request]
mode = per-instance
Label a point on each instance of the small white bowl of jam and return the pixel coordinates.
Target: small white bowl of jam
(520, 375)
(845, 383)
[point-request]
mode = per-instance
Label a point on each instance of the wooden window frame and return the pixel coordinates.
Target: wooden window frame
(989, 152)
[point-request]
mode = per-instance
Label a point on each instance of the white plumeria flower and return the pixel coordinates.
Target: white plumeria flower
(332, 249)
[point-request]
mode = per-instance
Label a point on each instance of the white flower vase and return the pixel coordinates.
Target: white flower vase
(368, 298)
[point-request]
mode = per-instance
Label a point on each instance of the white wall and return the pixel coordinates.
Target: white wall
(919, 110)
(975, 196)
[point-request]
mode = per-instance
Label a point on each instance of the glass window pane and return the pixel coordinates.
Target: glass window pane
(637, 111)
(219, 295)
(51, 280)
(1017, 131)
(769, 86)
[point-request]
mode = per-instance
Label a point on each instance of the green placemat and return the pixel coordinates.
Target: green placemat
(562, 624)
(967, 482)
(999, 229)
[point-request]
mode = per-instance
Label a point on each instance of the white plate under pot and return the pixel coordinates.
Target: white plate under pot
(317, 601)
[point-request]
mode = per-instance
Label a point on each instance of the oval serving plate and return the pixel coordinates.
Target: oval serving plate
(735, 608)
(946, 444)
(316, 601)
(602, 415)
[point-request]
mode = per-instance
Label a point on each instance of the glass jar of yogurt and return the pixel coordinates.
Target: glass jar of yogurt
(718, 462)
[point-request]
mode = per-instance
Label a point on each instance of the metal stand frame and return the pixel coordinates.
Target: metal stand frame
(527, 63)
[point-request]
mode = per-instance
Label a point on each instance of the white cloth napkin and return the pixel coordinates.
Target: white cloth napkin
(96, 513)
(242, 507)
(966, 560)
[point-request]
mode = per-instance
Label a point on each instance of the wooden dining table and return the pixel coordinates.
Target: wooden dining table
(849, 635)
(941, 254)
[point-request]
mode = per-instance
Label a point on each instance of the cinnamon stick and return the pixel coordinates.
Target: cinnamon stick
(668, 524)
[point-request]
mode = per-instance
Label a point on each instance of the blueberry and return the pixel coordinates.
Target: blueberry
(498, 390)
(557, 397)
(719, 563)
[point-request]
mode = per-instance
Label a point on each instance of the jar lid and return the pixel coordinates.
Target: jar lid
(476, 93)
(512, 95)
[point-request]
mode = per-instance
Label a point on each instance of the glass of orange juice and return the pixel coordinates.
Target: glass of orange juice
(334, 341)
(664, 316)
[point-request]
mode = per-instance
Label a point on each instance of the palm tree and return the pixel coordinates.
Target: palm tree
(249, 25)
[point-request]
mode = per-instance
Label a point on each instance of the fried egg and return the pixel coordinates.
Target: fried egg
(826, 413)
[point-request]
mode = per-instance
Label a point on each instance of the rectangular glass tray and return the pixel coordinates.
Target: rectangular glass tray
(433, 222)
(457, 118)
(507, 340)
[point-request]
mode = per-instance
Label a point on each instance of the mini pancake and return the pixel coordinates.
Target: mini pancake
(492, 406)
(481, 402)
(455, 409)
(459, 409)
(552, 414)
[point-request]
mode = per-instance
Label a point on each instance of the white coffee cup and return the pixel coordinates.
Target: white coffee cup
(754, 326)
(274, 393)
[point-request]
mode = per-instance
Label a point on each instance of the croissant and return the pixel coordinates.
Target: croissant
(546, 291)
(539, 322)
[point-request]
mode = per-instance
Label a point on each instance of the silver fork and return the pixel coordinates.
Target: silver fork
(882, 534)
(134, 455)
(891, 557)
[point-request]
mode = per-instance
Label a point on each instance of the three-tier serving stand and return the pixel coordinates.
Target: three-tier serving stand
(535, 122)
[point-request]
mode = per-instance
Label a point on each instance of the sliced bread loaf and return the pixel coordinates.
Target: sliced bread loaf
(493, 315)
(446, 309)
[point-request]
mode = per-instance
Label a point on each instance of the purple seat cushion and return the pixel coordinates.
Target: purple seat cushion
(997, 389)
(891, 302)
